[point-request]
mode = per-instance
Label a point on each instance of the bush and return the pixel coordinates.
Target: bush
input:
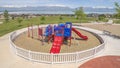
(101, 17)
(61, 18)
(117, 16)
(19, 20)
(42, 18)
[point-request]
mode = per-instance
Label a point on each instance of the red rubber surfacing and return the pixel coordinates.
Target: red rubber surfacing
(103, 62)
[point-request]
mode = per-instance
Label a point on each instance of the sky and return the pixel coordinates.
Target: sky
(62, 3)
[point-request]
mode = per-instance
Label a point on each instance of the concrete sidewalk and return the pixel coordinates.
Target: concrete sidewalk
(10, 60)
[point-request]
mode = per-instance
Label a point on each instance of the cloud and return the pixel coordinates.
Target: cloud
(11, 6)
(62, 3)
(19, 6)
(56, 5)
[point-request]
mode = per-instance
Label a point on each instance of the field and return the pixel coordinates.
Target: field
(36, 45)
(14, 25)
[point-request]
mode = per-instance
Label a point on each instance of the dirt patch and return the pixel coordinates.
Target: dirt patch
(114, 29)
(34, 44)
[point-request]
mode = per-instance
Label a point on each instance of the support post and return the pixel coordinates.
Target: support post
(42, 36)
(28, 31)
(38, 33)
(32, 30)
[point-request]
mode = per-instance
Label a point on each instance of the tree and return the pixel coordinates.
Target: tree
(6, 16)
(101, 17)
(42, 19)
(13, 17)
(80, 13)
(19, 21)
(60, 18)
(117, 7)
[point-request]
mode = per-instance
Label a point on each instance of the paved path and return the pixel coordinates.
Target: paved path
(1, 22)
(10, 60)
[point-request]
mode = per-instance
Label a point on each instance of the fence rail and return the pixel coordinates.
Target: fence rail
(52, 58)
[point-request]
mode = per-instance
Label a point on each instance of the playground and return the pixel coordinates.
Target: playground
(14, 61)
(59, 43)
(44, 41)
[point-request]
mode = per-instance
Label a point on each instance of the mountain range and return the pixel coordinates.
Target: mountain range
(57, 8)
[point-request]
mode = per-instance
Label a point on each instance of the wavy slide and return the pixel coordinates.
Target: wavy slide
(79, 34)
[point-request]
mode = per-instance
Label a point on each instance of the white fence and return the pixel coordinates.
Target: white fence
(52, 58)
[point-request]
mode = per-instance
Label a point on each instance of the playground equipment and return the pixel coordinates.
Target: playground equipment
(39, 34)
(30, 30)
(58, 34)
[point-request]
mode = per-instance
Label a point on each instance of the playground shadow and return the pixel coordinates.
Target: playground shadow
(77, 38)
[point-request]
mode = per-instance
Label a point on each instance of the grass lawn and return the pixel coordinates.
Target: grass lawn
(117, 21)
(14, 25)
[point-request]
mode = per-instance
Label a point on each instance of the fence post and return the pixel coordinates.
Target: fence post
(13, 37)
(15, 49)
(95, 50)
(29, 55)
(51, 58)
(76, 57)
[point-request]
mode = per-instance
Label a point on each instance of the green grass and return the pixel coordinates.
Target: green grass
(116, 21)
(14, 25)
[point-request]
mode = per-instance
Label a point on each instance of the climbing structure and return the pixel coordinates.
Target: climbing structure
(60, 33)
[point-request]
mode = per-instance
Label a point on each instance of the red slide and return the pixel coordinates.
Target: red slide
(56, 46)
(79, 34)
